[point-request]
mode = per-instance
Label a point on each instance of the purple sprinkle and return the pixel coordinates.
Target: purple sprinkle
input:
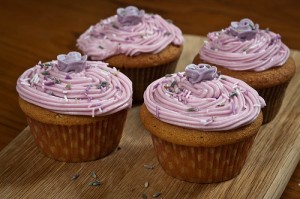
(68, 76)
(156, 85)
(157, 112)
(167, 33)
(278, 36)
(49, 83)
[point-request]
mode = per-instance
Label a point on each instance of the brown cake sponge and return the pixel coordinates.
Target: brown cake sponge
(197, 138)
(144, 60)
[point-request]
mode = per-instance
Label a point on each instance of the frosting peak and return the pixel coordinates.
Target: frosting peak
(73, 61)
(130, 15)
(217, 104)
(200, 72)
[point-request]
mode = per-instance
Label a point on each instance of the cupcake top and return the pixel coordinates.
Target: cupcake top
(71, 85)
(243, 46)
(131, 32)
(200, 98)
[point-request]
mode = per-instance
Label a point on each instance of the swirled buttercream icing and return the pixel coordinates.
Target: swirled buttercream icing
(85, 88)
(131, 32)
(217, 103)
(243, 46)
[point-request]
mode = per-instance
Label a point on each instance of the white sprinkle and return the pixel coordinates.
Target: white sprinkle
(25, 83)
(93, 112)
(203, 122)
(35, 79)
(235, 84)
(256, 105)
(90, 29)
(149, 166)
(115, 71)
(146, 184)
(100, 109)
(26, 79)
(66, 99)
(205, 41)
(65, 92)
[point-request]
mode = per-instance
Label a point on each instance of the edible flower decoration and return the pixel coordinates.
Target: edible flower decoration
(198, 73)
(73, 61)
(244, 29)
(130, 15)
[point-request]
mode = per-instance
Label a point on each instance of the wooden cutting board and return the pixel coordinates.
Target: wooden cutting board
(26, 173)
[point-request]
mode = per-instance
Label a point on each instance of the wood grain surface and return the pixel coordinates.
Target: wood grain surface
(26, 173)
(39, 30)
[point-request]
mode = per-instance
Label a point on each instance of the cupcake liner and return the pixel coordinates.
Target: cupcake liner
(273, 97)
(202, 164)
(79, 142)
(142, 77)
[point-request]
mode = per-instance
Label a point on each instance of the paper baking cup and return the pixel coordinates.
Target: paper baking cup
(79, 143)
(202, 164)
(142, 77)
(273, 97)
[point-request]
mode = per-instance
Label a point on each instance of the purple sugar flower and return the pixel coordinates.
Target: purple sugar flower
(198, 73)
(244, 29)
(73, 61)
(130, 15)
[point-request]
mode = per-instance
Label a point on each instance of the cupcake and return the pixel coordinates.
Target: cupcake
(202, 124)
(76, 109)
(255, 56)
(142, 46)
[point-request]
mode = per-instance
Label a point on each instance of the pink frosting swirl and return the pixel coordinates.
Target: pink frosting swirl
(111, 37)
(219, 104)
(96, 90)
(265, 50)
